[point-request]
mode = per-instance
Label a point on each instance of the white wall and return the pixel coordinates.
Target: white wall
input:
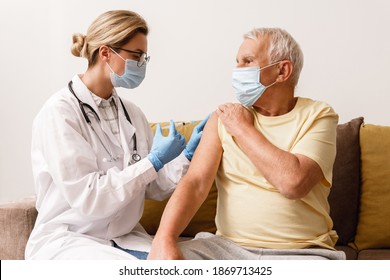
(192, 46)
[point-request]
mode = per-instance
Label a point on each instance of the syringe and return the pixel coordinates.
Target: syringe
(178, 124)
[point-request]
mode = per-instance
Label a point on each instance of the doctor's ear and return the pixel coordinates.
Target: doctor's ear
(285, 70)
(104, 53)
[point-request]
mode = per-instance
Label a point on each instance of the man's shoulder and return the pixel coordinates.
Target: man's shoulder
(312, 102)
(315, 106)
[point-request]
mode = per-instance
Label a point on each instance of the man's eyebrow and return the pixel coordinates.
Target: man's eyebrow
(246, 56)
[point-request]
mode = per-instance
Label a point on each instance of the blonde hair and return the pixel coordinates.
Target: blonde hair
(282, 46)
(113, 28)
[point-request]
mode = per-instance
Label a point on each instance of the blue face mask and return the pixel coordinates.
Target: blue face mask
(132, 77)
(246, 84)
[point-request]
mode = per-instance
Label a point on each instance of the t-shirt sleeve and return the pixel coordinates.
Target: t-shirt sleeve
(319, 142)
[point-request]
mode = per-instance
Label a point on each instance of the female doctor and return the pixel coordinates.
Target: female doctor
(94, 156)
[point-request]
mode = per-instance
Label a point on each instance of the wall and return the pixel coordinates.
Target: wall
(192, 46)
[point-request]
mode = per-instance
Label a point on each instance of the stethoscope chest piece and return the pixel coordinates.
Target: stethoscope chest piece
(136, 157)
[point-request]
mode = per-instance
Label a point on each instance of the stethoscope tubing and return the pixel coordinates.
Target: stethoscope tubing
(135, 156)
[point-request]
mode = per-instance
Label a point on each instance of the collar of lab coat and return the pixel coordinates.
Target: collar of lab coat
(127, 130)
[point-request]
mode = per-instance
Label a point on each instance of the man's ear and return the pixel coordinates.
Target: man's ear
(104, 53)
(285, 70)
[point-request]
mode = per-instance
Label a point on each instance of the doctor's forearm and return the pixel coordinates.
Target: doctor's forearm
(168, 178)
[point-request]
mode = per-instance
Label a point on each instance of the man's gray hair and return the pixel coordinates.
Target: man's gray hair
(282, 46)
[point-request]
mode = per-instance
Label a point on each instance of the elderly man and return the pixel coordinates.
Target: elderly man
(272, 158)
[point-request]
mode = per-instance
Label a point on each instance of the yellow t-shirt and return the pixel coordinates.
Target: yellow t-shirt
(250, 211)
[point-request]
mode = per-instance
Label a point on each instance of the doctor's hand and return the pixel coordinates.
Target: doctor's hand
(235, 117)
(165, 149)
(195, 139)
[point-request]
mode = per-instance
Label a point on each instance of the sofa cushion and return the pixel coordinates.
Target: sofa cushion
(345, 191)
(374, 254)
(204, 219)
(350, 253)
(373, 230)
(16, 223)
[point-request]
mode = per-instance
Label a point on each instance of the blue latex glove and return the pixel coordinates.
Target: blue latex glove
(165, 149)
(195, 139)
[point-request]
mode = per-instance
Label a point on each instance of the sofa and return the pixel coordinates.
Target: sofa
(359, 199)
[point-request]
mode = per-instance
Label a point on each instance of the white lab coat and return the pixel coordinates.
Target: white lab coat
(84, 202)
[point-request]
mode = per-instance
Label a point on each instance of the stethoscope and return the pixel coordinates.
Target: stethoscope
(135, 156)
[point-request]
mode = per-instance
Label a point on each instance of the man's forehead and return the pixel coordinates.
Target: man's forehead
(251, 47)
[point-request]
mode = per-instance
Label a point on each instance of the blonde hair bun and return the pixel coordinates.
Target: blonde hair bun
(78, 44)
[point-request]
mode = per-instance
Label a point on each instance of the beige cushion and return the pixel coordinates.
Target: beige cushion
(373, 230)
(204, 219)
(16, 223)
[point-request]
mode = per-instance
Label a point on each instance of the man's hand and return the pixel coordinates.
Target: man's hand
(235, 117)
(165, 249)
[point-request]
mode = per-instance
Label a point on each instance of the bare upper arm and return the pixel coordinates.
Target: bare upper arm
(207, 156)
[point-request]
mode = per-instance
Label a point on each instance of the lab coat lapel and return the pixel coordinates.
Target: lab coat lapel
(127, 131)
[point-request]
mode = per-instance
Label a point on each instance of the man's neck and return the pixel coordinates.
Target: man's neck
(276, 103)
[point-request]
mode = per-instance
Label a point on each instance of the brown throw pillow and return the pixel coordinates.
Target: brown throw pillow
(345, 191)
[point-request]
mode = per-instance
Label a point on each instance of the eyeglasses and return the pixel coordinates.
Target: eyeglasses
(142, 59)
